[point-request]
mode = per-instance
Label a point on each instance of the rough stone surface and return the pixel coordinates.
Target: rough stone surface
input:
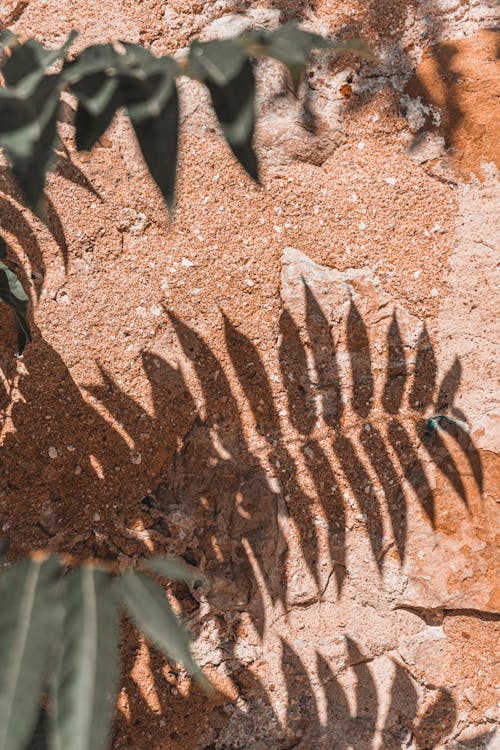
(249, 384)
(457, 81)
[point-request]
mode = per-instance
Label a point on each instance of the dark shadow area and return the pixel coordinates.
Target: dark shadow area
(14, 220)
(67, 168)
(258, 727)
(211, 498)
(65, 165)
(343, 726)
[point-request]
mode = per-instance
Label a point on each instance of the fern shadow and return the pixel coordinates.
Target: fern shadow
(212, 499)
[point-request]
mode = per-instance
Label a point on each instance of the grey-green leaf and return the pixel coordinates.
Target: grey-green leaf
(95, 81)
(174, 570)
(234, 106)
(219, 61)
(40, 736)
(227, 72)
(85, 682)
(150, 610)
(98, 58)
(7, 39)
(98, 99)
(28, 113)
(32, 57)
(292, 46)
(29, 620)
(289, 44)
(13, 294)
(156, 123)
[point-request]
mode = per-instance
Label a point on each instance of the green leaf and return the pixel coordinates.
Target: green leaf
(28, 130)
(94, 78)
(219, 61)
(174, 570)
(227, 72)
(13, 294)
(98, 100)
(30, 170)
(234, 106)
(29, 620)
(4, 548)
(155, 119)
(28, 113)
(149, 608)
(98, 58)
(7, 39)
(292, 46)
(40, 737)
(84, 693)
(104, 80)
(32, 57)
(288, 44)
(353, 47)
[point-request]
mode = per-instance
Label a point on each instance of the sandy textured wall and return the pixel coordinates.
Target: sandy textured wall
(247, 384)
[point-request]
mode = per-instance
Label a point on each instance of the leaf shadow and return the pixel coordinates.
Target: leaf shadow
(204, 475)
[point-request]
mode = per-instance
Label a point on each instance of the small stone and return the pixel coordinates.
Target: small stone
(156, 310)
(78, 470)
(390, 181)
(52, 452)
(136, 458)
(362, 226)
(71, 448)
(186, 263)
(47, 519)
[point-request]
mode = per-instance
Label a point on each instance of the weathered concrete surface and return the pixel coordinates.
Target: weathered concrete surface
(185, 392)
